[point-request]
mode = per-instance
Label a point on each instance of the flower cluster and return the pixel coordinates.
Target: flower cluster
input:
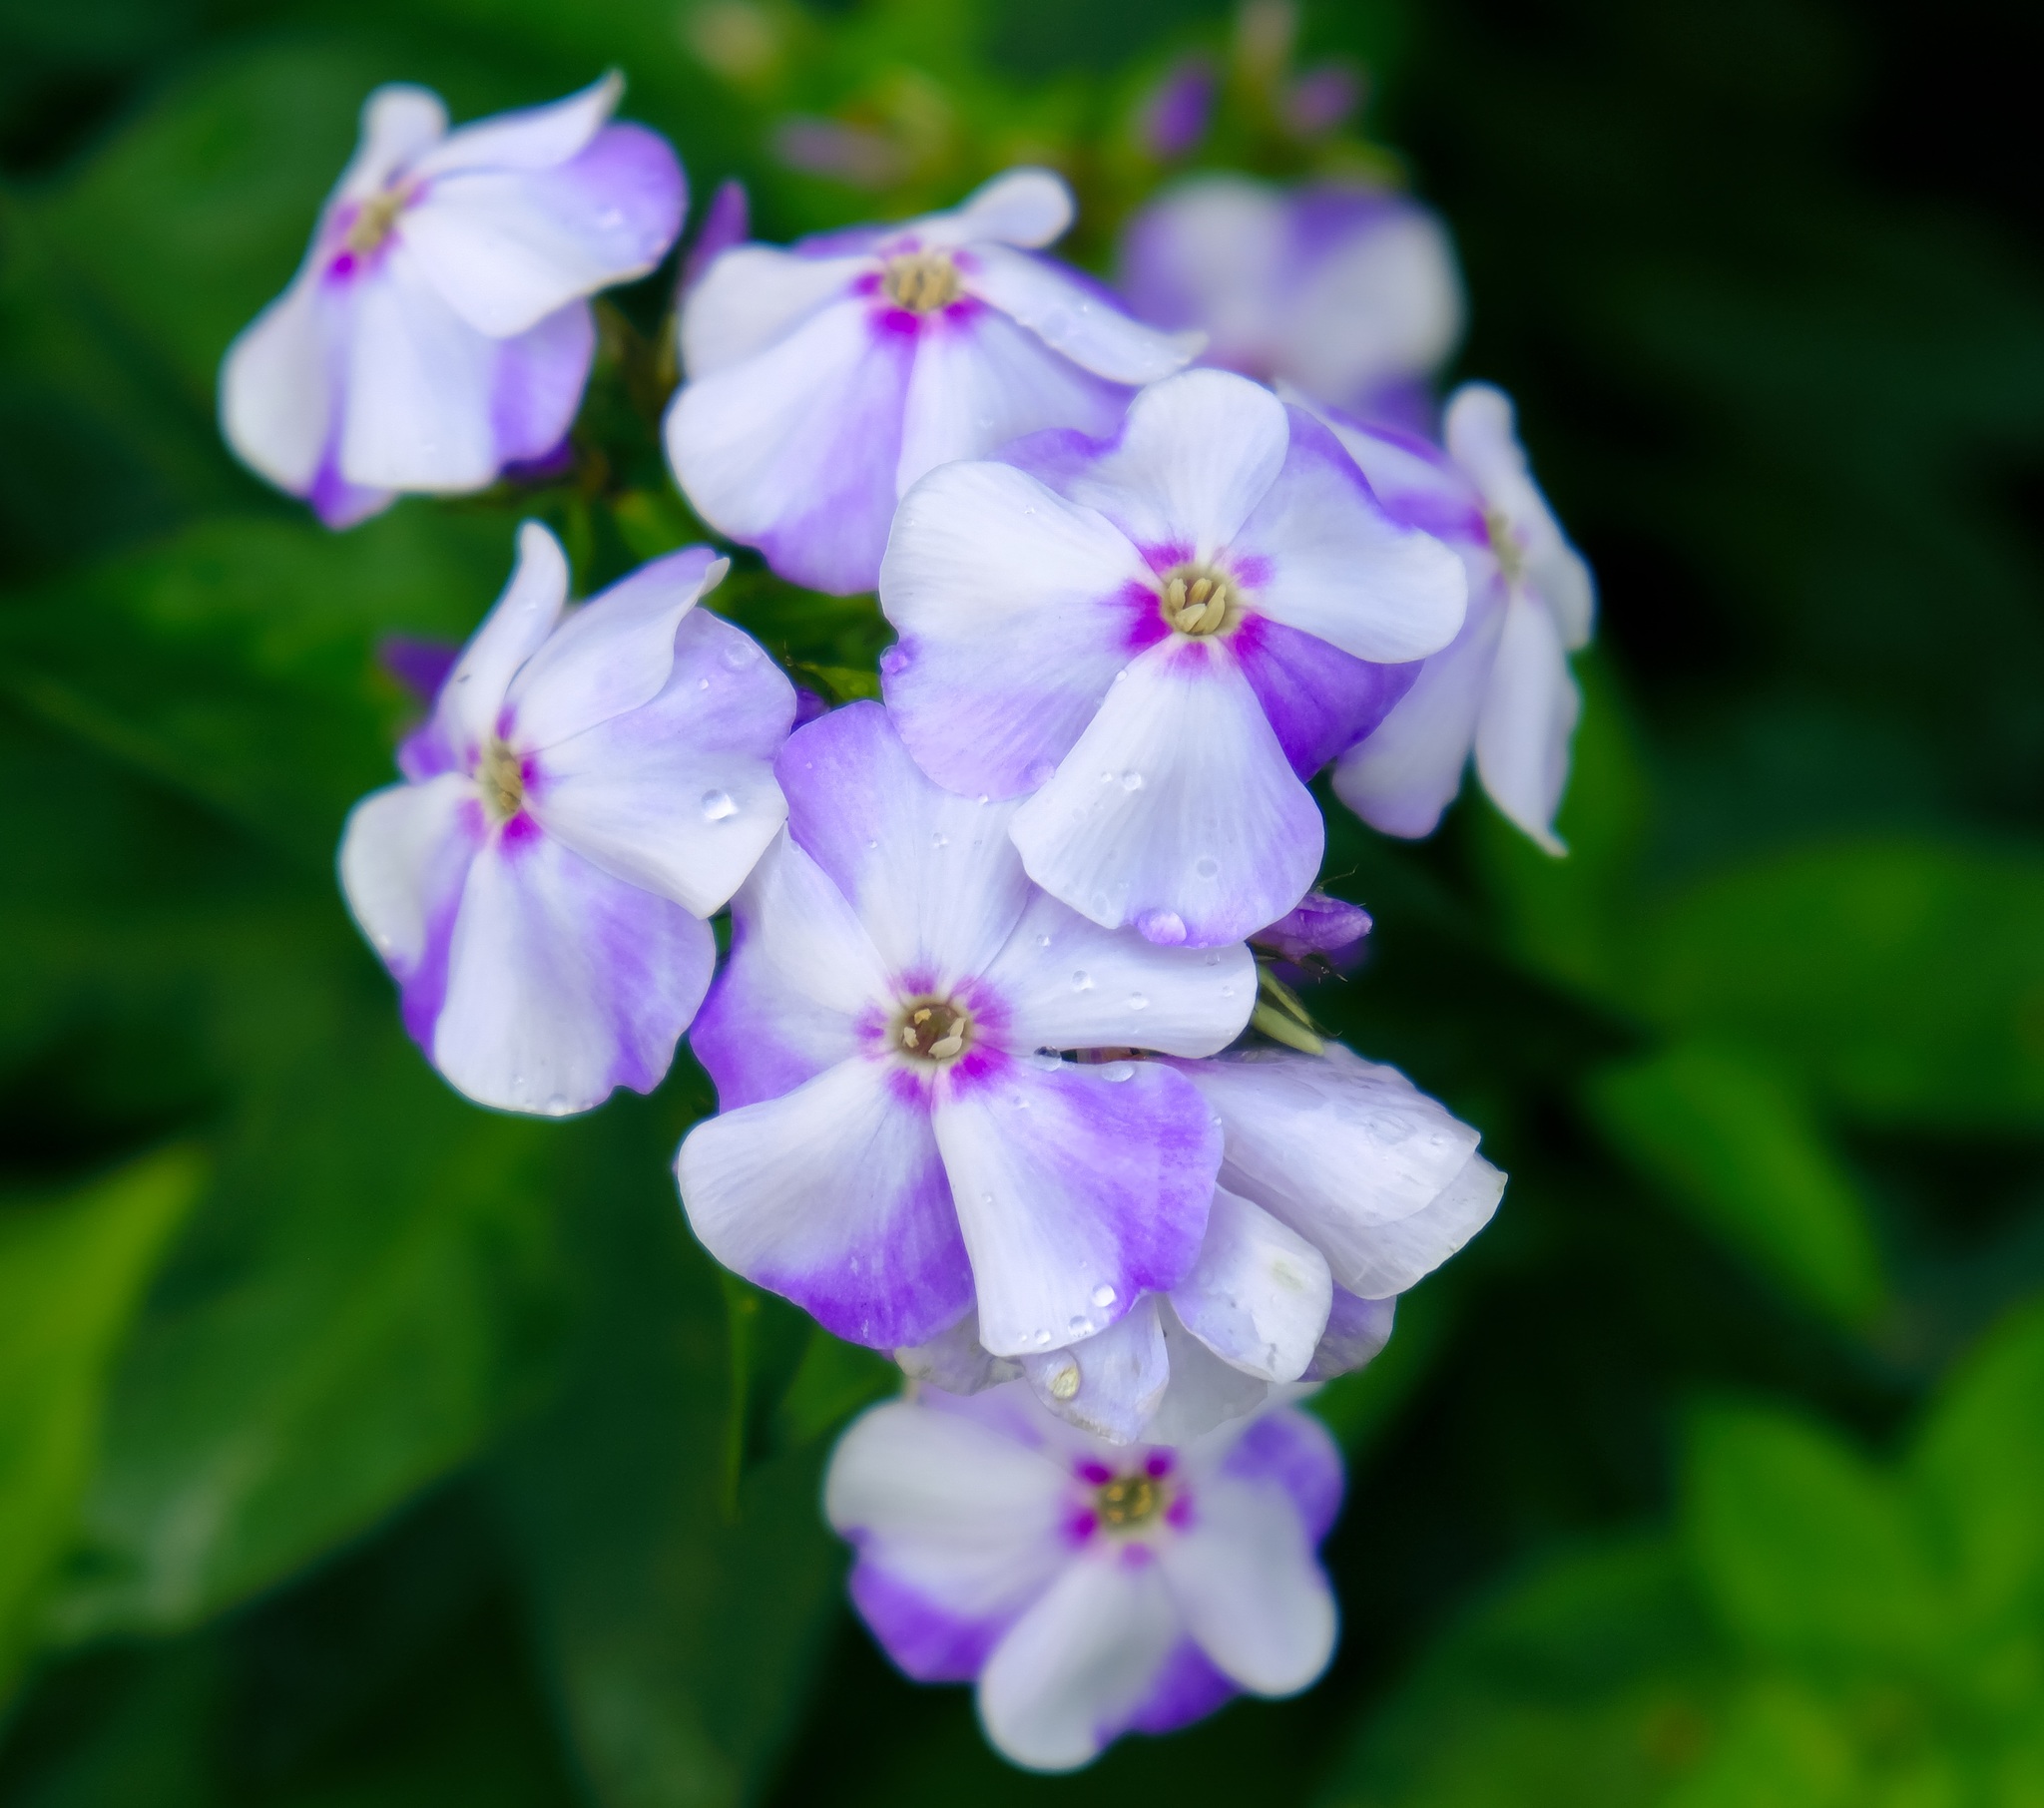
(990, 1096)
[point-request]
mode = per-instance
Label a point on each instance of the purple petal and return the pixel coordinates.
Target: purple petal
(538, 387)
(1321, 924)
(1187, 1688)
(1357, 1329)
(420, 665)
(1210, 253)
(1176, 116)
(1108, 1384)
(1294, 1451)
(1317, 700)
(725, 223)
(926, 1642)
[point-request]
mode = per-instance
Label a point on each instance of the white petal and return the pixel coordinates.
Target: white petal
(1019, 206)
(1528, 717)
(534, 137)
(1395, 1255)
(400, 124)
(417, 414)
(1070, 984)
(754, 295)
(1204, 1392)
(1385, 304)
(1406, 771)
(1245, 1577)
(1258, 1295)
(472, 698)
(1108, 1384)
(801, 928)
(1072, 1669)
(1076, 319)
(403, 852)
(276, 387)
(947, 1505)
(1197, 454)
(1177, 811)
(956, 1361)
(678, 795)
(1211, 251)
(613, 654)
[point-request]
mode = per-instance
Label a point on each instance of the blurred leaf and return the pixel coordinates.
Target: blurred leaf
(833, 1380)
(1735, 1144)
(71, 1274)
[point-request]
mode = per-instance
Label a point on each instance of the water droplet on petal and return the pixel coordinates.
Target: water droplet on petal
(1081, 981)
(986, 1198)
(1065, 1382)
(1139, 1001)
(740, 654)
(939, 839)
(1103, 1296)
(1207, 866)
(1041, 1339)
(1043, 941)
(702, 683)
(717, 806)
(1118, 1071)
(1132, 781)
(984, 798)
(1164, 927)
(1078, 1327)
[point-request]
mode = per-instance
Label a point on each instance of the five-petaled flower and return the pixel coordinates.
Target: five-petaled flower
(589, 789)
(826, 378)
(437, 330)
(1161, 636)
(1504, 687)
(1089, 1590)
(898, 1137)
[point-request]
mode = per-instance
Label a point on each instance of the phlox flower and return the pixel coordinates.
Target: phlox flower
(438, 329)
(589, 788)
(1503, 687)
(1088, 1590)
(1341, 1185)
(1161, 636)
(826, 378)
(898, 1137)
(1348, 292)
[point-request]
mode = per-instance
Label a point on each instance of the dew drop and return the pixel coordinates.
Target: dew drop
(1132, 781)
(1043, 941)
(702, 683)
(986, 1198)
(1079, 1327)
(939, 839)
(1041, 1339)
(1107, 779)
(984, 798)
(1164, 927)
(1081, 981)
(1065, 1382)
(1103, 1296)
(1207, 866)
(740, 654)
(717, 806)
(1139, 1001)
(1118, 1071)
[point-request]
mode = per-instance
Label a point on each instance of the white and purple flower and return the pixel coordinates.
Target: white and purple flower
(438, 329)
(1348, 292)
(1341, 1185)
(589, 788)
(826, 378)
(1088, 1590)
(898, 1140)
(1161, 636)
(1503, 689)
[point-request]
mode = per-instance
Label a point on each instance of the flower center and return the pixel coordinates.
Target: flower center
(921, 282)
(1197, 600)
(933, 1030)
(502, 777)
(1129, 1502)
(1511, 556)
(372, 226)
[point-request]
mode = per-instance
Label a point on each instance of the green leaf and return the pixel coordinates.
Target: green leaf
(1805, 1550)
(1741, 1151)
(71, 1274)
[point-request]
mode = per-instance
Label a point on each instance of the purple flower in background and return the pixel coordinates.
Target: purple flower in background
(437, 330)
(1176, 116)
(589, 788)
(1159, 635)
(826, 378)
(1504, 688)
(1088, 1590)
(895, 1140)
(1319, 925)
(725, 223)
(1350, 293)
(1341, 1185)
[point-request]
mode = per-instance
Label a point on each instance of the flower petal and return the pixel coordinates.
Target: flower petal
(1294, 1450)
(508, 247)
(417, 412)
(1070, 984)
(678, 795)
(1078, 1188)
(1078, 320)
(1177, 811)
(276, 387)
(539, 382)
(1187, 1688)
(1014, 617)
(1259, 1293)
(1108, 1384)
(533, 137)
(400, 124)
(1318, 699)
(834, 1196)
(1251, 1594)
(1340, 568)
(795, 450)
(930, 873)
(754, 295)
(981, 381)
(1204, 1392)
(1077, 1666)
(564, 983)
(956, 1361)
(1196, 456)
(472, 698)
(1018, 206)
(1529, 714)
(1357, 1329)
(1397, 1255)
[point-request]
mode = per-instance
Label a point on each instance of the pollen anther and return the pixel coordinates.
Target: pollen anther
(1197, 601)
(923, 281)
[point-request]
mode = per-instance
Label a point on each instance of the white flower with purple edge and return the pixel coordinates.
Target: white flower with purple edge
(1341, 1185)
(1350, 292)
(589, 788)
(824, 379)
(1503, 690)
(438, 329)
(1161, 636)
(894, 1144)
(1088, 1590)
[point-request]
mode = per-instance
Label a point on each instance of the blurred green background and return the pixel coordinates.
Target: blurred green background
(360, 1447)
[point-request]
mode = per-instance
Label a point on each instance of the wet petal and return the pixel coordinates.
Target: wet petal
(1077, 318)
(1357, 1329)
(1259, 1295)
(1108, 1384)
(1204, 1392)
(1317, 698)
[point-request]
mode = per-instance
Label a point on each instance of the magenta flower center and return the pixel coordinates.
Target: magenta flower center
(501, 776)
(1129, 1502)
(921, 282)
(379, 215)
(935, 1030)
(1197, 600)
